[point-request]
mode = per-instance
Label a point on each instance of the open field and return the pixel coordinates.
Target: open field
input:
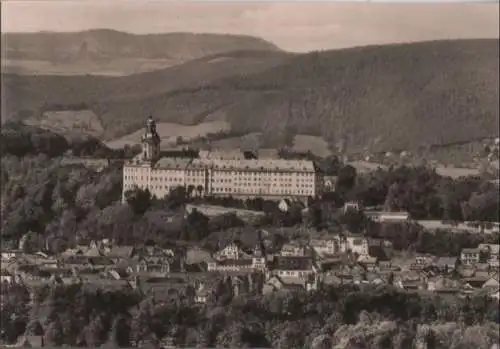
(248, 141)
(170, 131)
(314, 144)
(456, 172)
(115, 67)
(302, 143)
(69, 122)
(433, 225)
(365, 166)
(214, 210)
(197, 255)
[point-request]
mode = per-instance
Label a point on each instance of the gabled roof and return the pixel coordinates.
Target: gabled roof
(494, 248)
(100, 260)
(236, 242)
(284, 283)
(4, 272)
(236, 262)
(367, 260)
(121, 251)
(470, 250)
(153, 261)
(444, 261)
(476, 280)
(331, 279)
(93, 252)
(491, 283)
(293, 263)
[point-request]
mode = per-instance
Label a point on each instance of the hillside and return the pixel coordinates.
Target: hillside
(109, 52)
(381, 97)
(21, 140)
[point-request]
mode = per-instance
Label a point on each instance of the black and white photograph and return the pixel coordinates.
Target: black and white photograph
(260, 174)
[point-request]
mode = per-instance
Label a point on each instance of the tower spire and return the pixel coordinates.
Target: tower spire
(150, 141)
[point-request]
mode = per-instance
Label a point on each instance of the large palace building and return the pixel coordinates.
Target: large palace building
(267, 178)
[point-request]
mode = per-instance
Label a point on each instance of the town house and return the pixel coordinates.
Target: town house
(446, 264)
(153, 265)
(230, 265)
(232, 250)
(293, 249)
(9, 254)
(297, 267)
(290, 284)
(470, 256)
(325, 246)
(380, 216)
(203, 293)
(255, 263)
(423, 260)
(492, 252)
(354, 244)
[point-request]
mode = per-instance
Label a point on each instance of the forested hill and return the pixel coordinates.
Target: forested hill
(22, 140)
(381, 97)
(102, 51)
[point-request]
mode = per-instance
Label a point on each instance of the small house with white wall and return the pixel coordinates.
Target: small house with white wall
(232, 250)
(387, 217)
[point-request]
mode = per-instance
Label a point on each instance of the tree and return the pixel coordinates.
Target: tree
(291, 337)
(346, 179)
(94, 332)
(354, 220)
(289, 134)
(190, 190)
(177, 196)
(34, 328)
(139, 200)
(120, 332)
(322, 342)
(54, 334)
(199, 190)
(196, 226)
(331, 165)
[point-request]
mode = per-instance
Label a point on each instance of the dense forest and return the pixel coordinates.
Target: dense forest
(58, 206)
(20, 139)
(429, 91)
(345, 317)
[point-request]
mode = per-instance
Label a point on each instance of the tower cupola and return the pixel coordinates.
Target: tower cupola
(150, 142)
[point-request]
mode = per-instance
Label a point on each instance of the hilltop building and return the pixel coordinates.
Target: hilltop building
(269, 178)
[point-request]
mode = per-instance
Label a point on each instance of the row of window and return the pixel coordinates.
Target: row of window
(263, 173)
(244, 184)
(282, 185)
(216, 173)
(293, 273)
(277, 180)
(272, 191)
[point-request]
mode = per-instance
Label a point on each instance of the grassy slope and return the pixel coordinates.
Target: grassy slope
(386, 97)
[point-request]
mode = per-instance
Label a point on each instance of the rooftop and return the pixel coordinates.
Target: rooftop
(470, 250)
(232, 164)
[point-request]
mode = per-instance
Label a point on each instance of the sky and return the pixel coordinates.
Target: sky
(293, 26)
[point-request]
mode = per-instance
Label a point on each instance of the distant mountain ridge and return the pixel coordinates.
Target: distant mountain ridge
(380, 98)
(101, 47)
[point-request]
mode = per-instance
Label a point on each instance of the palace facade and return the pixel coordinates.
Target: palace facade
(267, 178)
